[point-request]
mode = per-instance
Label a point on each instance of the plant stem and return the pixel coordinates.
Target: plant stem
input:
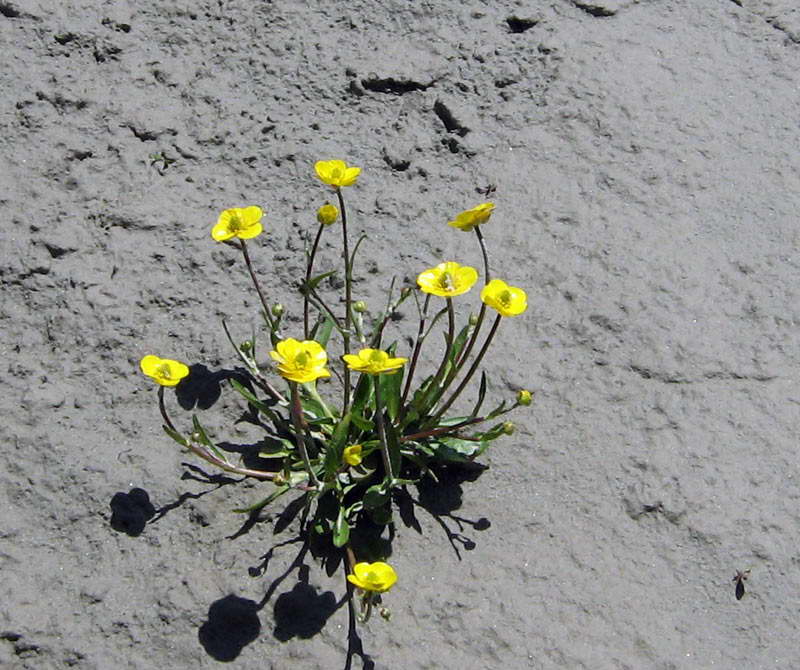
(437, 380)
(309, 268)
(471, 372)
(348, 299)
(249, 264)
(387, 460)
(415, 355)
(473, 338)
(300, 432)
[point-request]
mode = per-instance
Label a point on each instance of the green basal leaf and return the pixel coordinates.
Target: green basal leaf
(335, 445)
(375, 496)
(395, 458)
(341, 530)
(322, 330)
(455, 450)
(175, 435)
(391, 391)
(458, 344)
(481, 397)
(204, 440)
(364, 425)
(297, 477)
(272, 497)
(276, 447)
(362, 396)
(260, 405)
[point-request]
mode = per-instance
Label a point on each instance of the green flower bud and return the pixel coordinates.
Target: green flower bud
(359, 306)
(327, 214)
(524, 397)
(279, 479)
(509, 427)
(385, 613)
(195, 437)
(473, 320)
(277, 310)
(246, 347)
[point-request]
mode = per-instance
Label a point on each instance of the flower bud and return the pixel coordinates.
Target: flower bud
(359, 306)
(524, 397)
(327, 214)
(246, 347)
(385, 613)
(195, 437)
(277, 310)
(473, 320)
(509, 427)
(279, 479)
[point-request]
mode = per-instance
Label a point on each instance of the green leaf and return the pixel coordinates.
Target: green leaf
(481, 397)
(277, 493)
(175, 435)
(204, 439)
(322, 330)
(362, 395)
(375, 496)
(391, 392)
(276, 447)
(313, 282)
(364, 425)
(335, 445)
(341, 530)
(455, 450)
(500, 409)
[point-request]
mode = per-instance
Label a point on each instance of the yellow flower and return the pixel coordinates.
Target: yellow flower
(524, 397)
(378, 577)
(448, 279)
(508, 300)
(327, 214)
(163, 370)
(300, 361)
(373, 362)
(466, 221)
(336, 173)
(241, 222)
(352, 454)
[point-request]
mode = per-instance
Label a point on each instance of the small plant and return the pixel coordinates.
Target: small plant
(348, 446)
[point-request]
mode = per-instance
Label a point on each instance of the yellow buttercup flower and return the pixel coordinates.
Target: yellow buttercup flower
(378, 577)
(300, 361)
(163, 370)
(327, 214)
(352, 454)
(241, 222)
(508, 300)
(373, 362)
(336, 173)
(448, 279)
(466, 221)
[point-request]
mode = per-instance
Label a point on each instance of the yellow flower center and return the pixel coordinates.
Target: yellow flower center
(302, 359)
(235, 223)
(446, 281)
(505, 297)
(164, 371)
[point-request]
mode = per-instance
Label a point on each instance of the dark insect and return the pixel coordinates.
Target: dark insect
(740, 578)
(489, 190)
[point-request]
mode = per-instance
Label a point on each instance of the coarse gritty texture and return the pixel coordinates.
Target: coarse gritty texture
(646, 161)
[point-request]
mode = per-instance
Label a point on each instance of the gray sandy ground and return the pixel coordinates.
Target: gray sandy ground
(647, 169)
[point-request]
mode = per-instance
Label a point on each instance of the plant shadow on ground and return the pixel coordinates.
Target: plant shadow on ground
(233, 622)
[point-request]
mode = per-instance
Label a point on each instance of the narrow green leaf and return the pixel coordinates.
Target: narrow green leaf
(315, 281)
(277, 493)
(481, 397)
(364, 425)
(391, 392)
(204, 439)
(375, 496)
(341, 530)
(175, 435)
